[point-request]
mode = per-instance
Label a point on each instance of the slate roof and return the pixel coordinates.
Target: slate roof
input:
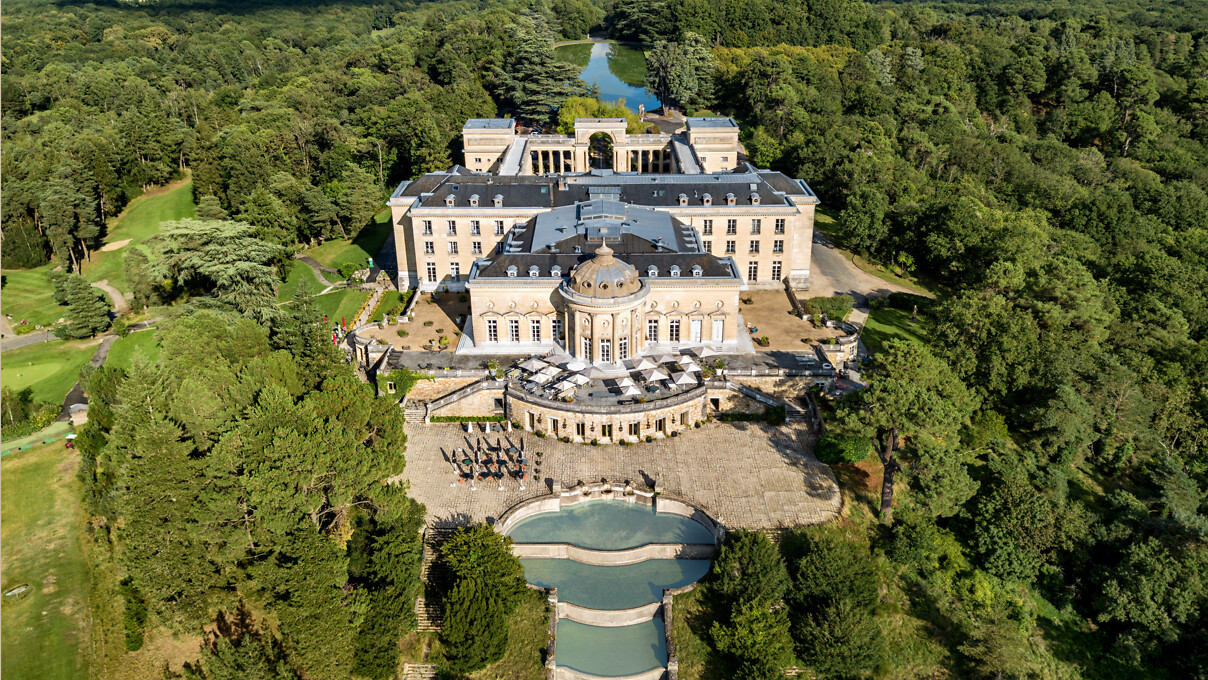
(659, 190)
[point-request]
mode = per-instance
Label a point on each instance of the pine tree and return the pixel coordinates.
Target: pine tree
(209, 209)
(224, 257)
(535, 81)
(87, 308)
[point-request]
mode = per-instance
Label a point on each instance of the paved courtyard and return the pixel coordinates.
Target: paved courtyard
(746, 475)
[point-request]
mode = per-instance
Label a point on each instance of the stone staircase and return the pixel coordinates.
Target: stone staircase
(435, 573)
(419, 671)
(794, 411)
(414, 412)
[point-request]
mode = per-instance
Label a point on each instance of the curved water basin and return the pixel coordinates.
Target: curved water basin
(609, 525)
(624, 587)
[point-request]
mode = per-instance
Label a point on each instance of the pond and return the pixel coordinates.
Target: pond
(619, 70)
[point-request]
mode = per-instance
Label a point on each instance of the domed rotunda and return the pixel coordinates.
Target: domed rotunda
(604, 303)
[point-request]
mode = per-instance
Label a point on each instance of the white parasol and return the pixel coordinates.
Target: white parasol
(630, 391)
(666, 358)
(579, 379)
(533, 364)
(644, 363)
(575, 365)
(654, 374)
(702, 352)
(551, 371)
(541, 378)
(682, 379)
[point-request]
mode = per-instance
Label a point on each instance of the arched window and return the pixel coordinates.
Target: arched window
(450, 200)
(696, 270)
(652, 271)
(534, 272)
(754, 198)
(555, 271)
(708, 199)
(474, 201)
(512, 271)
(729, 199)
(498, 200)
(683, 199)
(675, 271)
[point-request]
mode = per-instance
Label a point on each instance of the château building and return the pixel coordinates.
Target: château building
(608, 244)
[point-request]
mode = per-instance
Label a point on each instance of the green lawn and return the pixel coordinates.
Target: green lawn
(299, 273)
(121, 355)
(28, 295)
(390, 300)
(891, 324)
(364, 245)
(45, 632)
(341, 303)
(51, 368)
(141, 220)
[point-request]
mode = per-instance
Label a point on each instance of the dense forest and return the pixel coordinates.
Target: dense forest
(1043, 167)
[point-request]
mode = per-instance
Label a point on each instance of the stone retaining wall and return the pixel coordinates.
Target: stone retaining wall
(614, 558)
(608, 618)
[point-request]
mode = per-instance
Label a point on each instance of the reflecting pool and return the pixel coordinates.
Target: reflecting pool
(626, 587)
(609, 525)
(618, 70)
(623, 650)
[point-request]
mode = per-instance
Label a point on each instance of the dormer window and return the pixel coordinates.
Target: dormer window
(450, 200)
(578, 249)
(534, 272)
(754, 198)
(652, 271)
(512, 271)
(708, 199)
(729, 199)
(555, 271)
(497, 201)
(474, 201)
(696, 271)
(675, 271)
(683, 199)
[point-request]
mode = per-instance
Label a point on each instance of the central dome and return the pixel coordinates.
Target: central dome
(604, 276)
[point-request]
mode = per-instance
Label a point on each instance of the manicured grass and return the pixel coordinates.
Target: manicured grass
(51, 368)
(299, 273)
(891, 324)
(121, 355)
(28, 295)
(140, 221)
(45, 632)
(366, 244)
(390, 300)
(342, 303)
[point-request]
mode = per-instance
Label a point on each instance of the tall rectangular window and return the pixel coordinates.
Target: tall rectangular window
(475, 228)
(455, 271)
(778, 246)
(535, 329)
(431, 272)
(580, 429)
(452, 226)
(476, 248)
(558, 337)
(606, 350)
(673, 330)
(635, 429)
(776, 270)
(492, 330)
(707, 228)
(429, 247)
(756, 226)
(754, 248)
(452, 247)
(730, 247)
(499, 248)
(586, 349)
(652, 330)
(427, 227)
(499, 227)
(708, 246)
(514, 330)
(731, 226)
(623, 348)
(779, 225)
(753, 271)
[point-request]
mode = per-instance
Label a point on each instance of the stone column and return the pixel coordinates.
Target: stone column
(615, 347)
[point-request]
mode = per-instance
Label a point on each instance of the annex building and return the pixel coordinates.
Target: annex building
(606, 244)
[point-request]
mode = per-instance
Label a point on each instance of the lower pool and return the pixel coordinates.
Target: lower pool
(623, 650)
(624, 587)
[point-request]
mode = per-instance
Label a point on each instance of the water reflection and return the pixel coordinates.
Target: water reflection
(619, 71)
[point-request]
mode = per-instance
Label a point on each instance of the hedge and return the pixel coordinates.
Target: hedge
(835, 308)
